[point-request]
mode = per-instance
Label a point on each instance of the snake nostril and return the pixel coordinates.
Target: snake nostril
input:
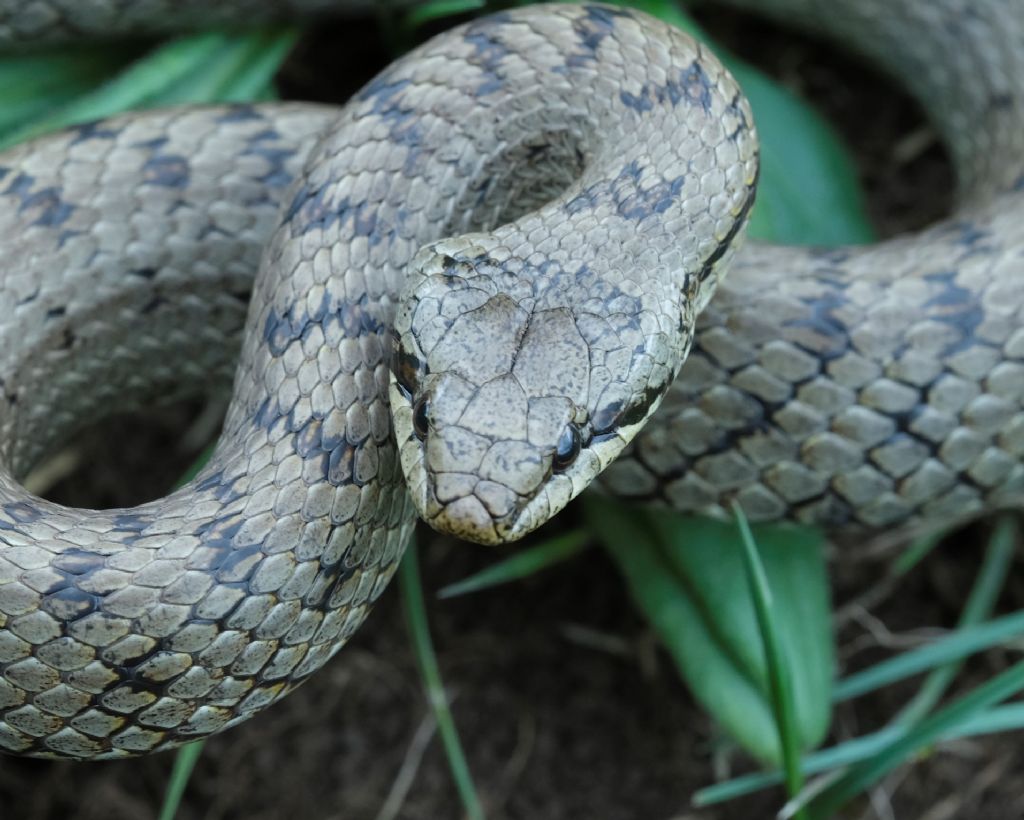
(421, 417)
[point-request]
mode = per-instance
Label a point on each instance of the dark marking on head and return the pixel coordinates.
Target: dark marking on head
(56, 312)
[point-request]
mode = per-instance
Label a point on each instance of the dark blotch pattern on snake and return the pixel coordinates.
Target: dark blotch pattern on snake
(476, 284)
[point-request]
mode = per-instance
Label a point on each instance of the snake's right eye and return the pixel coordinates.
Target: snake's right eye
(568, 447)
(421, 417)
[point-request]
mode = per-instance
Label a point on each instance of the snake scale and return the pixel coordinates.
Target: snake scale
(476, 281)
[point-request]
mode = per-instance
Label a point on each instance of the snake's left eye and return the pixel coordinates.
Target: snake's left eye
(407, 369)
(568, 447)
(421, 417)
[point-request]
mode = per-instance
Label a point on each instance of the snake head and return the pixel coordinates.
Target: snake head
(503, 403)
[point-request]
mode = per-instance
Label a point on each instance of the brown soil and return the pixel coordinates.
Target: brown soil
(566, 706)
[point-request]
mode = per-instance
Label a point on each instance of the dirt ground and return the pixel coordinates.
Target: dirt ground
(566, 706)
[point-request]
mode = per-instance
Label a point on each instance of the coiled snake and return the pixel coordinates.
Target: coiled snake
(576, 177)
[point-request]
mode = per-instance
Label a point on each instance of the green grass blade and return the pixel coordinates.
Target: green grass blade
(778, 672)
(184, 762)
(522, 564)
(862, 776)
(980, 603)
(411, 591)
(240, 72)
(952, 648)
(916, 552)
(1008, 718)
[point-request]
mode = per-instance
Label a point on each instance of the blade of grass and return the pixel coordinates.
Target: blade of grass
(521, 565)
(241, 72)
(992, 721)
(778, 673)
(959, 645)
(863, 775)
(184, 762)
(411, 591)
(980, 603)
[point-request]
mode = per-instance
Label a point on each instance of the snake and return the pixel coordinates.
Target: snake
(464, 297)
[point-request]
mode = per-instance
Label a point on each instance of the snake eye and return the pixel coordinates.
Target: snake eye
(421, 417)
(406, 368)
(568, 447)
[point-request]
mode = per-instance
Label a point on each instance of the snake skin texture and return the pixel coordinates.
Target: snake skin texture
(567, 148)
(130, 249)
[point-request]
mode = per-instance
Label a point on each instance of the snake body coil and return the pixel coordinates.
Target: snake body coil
(504, 241)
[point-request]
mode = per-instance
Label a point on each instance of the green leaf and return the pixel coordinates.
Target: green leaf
(202, 68)
(35, 83)
(688, 577)
(978, 607)
(439, 9)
